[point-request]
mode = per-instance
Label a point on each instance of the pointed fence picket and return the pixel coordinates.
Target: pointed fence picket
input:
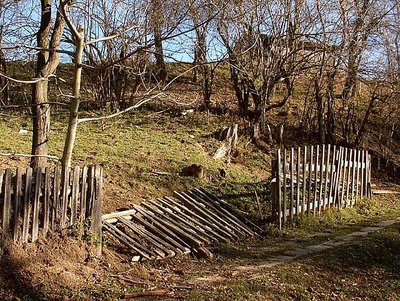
(311, 179)
(35, 201)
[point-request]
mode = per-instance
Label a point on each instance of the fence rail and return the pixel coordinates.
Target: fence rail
(32, 202)
(311, 179)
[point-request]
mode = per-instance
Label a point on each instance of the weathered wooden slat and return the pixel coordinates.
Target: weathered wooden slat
(36, 204)
(188, 231)
(128, 241)
(344, 178)
(332, 177)
(227, 209)
(96, 225)
(175, 239)
(6, 210)
(83, 194)
(321, 179)
(310, 176)
(155, 240)
(303, 210)
(207, 214)
(315, 192)
(279, 178)
(200, 233)
(27, 205)
(358, 173)
(353, 176)
(75, 196)
(284, 195)
(298, 179)
(328, 171)
(46, 201)
(218, 210)
(17, 204)
(350, 158)
(362, 174)
(206, 229)
(65, 198)
(181, 233)
(217, 228)
(291, 173)
(55, 201)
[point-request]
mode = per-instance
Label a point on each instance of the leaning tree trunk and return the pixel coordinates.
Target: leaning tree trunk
(74, 105)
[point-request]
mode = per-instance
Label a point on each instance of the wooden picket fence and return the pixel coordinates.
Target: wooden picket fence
(32, 202)
(311, 179)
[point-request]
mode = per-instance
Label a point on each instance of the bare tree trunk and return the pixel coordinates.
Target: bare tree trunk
(3, 69)
(40, 108)
(46, 64)
(157, 31)
(74, 105)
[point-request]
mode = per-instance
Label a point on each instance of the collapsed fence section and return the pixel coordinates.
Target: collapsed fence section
(35, 201)
(311, 179)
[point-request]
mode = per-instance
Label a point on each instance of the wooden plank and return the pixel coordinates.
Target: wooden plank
(217, 228)
(321, 179)
(6, 210)
(344, 178)
(316, 179)
(46, 201)
(207, 230)
(165, 228)
(279, 177)
(358, 173)
(208, 214)
(128, 241)
(328, 170)
(298, 180)
(335, 191)
(304, 179)
(310, 179)
(350, 158)
(155, 242)
(27, 205)
(90, 191)
(333, 171)
(353, 176)
(36, 204)
(228, 209)
(284, 183)
(369, 176)
(17, 204)
(340, 178)
(65, 198)
(161, 232)
(83, 194)
(218, 210)
(362, 173)
(56, 206)
(291, 173)
(75, 196)
(185, 222)
(187, 233)
(96, 225)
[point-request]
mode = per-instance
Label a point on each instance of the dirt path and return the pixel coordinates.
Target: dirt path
(258, 270)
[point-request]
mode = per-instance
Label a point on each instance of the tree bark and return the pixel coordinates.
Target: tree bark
(47, 62)
(74, 105)
(157, 31)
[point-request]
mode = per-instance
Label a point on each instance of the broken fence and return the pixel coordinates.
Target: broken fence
(189, 222)
(34, 201)
(311, 179)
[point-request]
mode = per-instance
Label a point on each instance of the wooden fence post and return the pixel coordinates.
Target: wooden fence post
(96, 226)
